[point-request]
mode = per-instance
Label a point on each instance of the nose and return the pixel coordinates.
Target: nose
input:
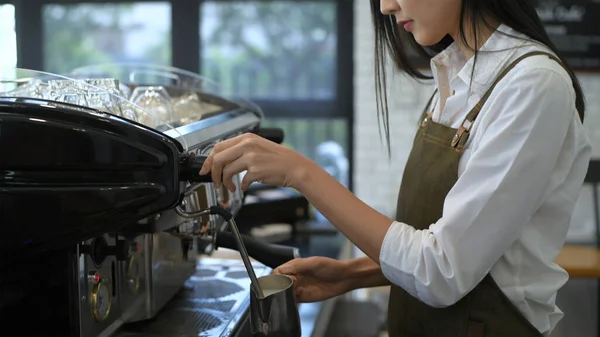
(389, 7)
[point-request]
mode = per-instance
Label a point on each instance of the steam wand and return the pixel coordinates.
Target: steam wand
(190, 166)
(226, 215)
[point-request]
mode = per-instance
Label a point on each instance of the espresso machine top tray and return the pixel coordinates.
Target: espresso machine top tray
(195, 100)
(101, 148)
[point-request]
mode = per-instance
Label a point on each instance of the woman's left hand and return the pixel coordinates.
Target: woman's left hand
(265, 161)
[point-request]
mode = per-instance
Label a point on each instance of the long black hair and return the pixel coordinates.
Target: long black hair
(396, 43)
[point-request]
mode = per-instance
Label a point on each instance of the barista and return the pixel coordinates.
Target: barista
(488, 190)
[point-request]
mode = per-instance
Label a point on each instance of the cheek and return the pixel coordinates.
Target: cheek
(435, 20)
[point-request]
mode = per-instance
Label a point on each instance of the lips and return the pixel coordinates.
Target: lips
(407, 24)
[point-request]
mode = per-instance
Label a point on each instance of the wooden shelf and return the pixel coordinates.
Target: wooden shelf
(580, 261)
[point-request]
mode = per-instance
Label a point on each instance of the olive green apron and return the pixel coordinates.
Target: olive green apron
(430, 173)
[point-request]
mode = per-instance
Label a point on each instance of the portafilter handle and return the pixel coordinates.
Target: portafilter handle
(275, 135)
(190, 164)
(189, 169)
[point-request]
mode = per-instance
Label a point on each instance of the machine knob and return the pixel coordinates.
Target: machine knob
(99, 250)
(120, 251)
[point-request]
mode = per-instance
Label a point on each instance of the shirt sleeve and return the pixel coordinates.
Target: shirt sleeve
(503, 184)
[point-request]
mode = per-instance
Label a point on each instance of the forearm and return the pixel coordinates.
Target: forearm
(364, 273)
(360, 223)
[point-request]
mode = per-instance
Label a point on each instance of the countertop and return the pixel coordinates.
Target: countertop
(199, 309)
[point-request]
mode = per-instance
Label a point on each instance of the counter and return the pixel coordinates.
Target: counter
(215, 301)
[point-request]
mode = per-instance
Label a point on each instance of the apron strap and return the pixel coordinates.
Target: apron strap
(472, 115)
(426, 112)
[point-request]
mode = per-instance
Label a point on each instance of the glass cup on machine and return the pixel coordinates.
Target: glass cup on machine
(157, 102)
(28, 87)
(97, 94)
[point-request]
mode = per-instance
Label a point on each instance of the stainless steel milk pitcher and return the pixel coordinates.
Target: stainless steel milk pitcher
(276, 314)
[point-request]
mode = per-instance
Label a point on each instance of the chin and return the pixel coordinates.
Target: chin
(426, 40)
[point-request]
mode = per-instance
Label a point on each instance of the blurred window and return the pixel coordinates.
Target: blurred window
(282, 55)
(277, 50)
(8, 36)
(83, 34)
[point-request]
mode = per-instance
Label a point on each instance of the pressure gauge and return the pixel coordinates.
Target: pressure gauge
(133, 274)
(101, 300)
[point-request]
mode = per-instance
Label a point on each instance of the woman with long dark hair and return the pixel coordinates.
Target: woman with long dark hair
(488, 190)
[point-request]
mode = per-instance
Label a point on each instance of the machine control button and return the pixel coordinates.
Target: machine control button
(93, 277)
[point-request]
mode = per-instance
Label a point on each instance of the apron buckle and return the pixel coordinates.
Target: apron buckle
(426, 119)
(464, 128)
(455, 139)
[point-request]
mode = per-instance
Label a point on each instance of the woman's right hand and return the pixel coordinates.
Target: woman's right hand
(317, 278)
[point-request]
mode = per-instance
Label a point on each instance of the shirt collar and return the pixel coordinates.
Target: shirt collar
(491, 59)
(449, 62)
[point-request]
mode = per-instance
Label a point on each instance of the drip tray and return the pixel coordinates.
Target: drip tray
(210, 304)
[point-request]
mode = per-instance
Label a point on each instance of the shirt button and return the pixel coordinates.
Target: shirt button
(424, 123)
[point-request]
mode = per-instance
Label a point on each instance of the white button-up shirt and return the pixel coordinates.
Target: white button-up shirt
(519, 178)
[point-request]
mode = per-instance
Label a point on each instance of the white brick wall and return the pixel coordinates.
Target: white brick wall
(376, 179)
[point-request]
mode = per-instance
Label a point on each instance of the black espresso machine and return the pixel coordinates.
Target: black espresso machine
(101, 203)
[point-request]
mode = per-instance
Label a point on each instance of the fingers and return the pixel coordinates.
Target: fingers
(280, 271)
(220, 147)
(298, 288)
(294, 267)
(226, 158)
(285, 269)
(224, 154)
(298, 270)
(232, 169)
(248, 179)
